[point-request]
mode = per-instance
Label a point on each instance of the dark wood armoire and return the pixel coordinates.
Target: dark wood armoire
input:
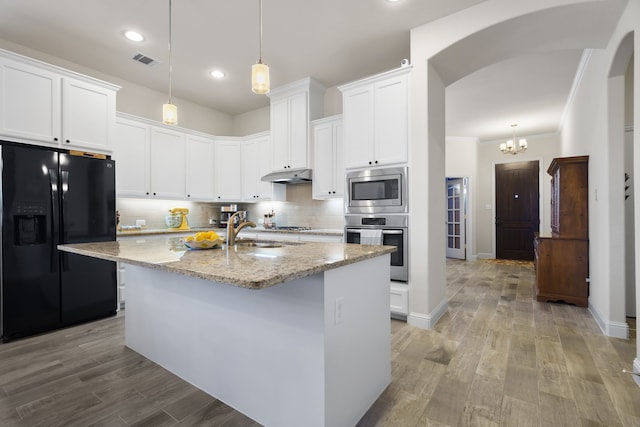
(562, 259)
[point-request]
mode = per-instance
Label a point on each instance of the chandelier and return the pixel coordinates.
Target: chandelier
(509, 147)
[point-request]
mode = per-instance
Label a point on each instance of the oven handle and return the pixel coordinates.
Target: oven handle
(358, 230)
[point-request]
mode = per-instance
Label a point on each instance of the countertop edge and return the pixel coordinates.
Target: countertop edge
(249, 284)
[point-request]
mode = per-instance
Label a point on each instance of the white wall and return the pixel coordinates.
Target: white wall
(461, 162)
(594, 125)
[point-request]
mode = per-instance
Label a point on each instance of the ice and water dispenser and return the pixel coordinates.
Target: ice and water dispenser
(30, 222)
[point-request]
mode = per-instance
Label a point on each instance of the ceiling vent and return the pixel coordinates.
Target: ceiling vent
(144, 59)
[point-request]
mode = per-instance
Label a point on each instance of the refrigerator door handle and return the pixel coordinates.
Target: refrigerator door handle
(55, 224)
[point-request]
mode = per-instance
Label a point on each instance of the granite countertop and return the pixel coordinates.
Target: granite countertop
(152, 231)
(247, 267)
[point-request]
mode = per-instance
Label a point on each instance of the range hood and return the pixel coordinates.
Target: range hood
(289, 177)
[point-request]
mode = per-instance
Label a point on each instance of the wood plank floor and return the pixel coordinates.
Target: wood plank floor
(497, 358)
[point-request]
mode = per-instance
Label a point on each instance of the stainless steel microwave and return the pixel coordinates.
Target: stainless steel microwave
(377, 191)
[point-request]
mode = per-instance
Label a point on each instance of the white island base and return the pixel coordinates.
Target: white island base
(309, 352)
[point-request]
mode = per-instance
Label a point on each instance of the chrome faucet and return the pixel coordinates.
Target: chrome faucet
(233, 232)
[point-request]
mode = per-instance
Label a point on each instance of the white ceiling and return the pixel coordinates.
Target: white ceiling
(334, 41)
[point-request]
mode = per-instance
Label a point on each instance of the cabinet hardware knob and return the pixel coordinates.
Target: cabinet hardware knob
(55, 139)
(369, 162)
(154, 193)
(147, 193)
(68, 141)
(376, 162)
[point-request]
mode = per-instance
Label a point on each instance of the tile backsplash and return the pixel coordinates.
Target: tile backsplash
(301, 210)
(298, 210)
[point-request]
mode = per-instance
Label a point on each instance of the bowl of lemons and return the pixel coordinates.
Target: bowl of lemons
(203, 240)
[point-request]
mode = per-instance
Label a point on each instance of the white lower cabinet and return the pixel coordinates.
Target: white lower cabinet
(399, 299)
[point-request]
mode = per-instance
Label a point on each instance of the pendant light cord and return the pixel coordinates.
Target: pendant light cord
(260, 9)
(170, 56)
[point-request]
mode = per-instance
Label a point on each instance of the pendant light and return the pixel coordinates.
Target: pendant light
(260, 70)
(169, 110)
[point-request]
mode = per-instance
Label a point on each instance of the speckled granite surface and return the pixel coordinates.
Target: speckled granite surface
(248, 267)
(169, 231)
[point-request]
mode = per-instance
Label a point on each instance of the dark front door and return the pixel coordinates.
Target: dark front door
(517, 209)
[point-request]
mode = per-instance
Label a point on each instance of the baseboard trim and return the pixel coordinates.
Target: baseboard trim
(482, 255)
(636, 369)
(609, 328)
(428, 321)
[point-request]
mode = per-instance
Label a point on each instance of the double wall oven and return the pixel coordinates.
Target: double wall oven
(376, 211)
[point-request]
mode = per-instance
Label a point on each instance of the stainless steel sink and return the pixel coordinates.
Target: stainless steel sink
(260, 244)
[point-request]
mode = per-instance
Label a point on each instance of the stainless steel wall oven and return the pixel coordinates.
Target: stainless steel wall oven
(393, 231)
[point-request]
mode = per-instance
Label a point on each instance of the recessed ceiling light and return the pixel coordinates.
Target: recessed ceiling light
(217, 74)
(134, 36)
(393, 1)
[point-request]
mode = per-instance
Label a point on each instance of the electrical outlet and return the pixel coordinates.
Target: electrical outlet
(339, 310)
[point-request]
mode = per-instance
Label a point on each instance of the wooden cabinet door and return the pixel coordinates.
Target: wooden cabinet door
(199, 168)
(30, 107)
(131, 154)
(167, 150)
(89, 115)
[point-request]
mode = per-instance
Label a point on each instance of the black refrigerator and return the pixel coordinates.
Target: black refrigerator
(51, 197)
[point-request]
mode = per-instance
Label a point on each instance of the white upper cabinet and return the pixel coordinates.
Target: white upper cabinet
(88, 115)
(162, 162)
(328, 165)
(46, 105)
(167, 154)
(131, 154)
(228, 171)
(200, 168)
(256, 162)
(376, 119)
(292, 107)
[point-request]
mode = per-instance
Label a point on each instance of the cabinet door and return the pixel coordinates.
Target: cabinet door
(299, 131)
(131, 154)
(267, 190)
(89, 115)
(391, 121)
(228, 179)
(358, 127)
(200, 169)
(167, 164)
(249, 162)
(338, 159)
(280, 134)
(323, 155)
(30, 105)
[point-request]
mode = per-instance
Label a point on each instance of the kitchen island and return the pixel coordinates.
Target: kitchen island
(287, 333)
